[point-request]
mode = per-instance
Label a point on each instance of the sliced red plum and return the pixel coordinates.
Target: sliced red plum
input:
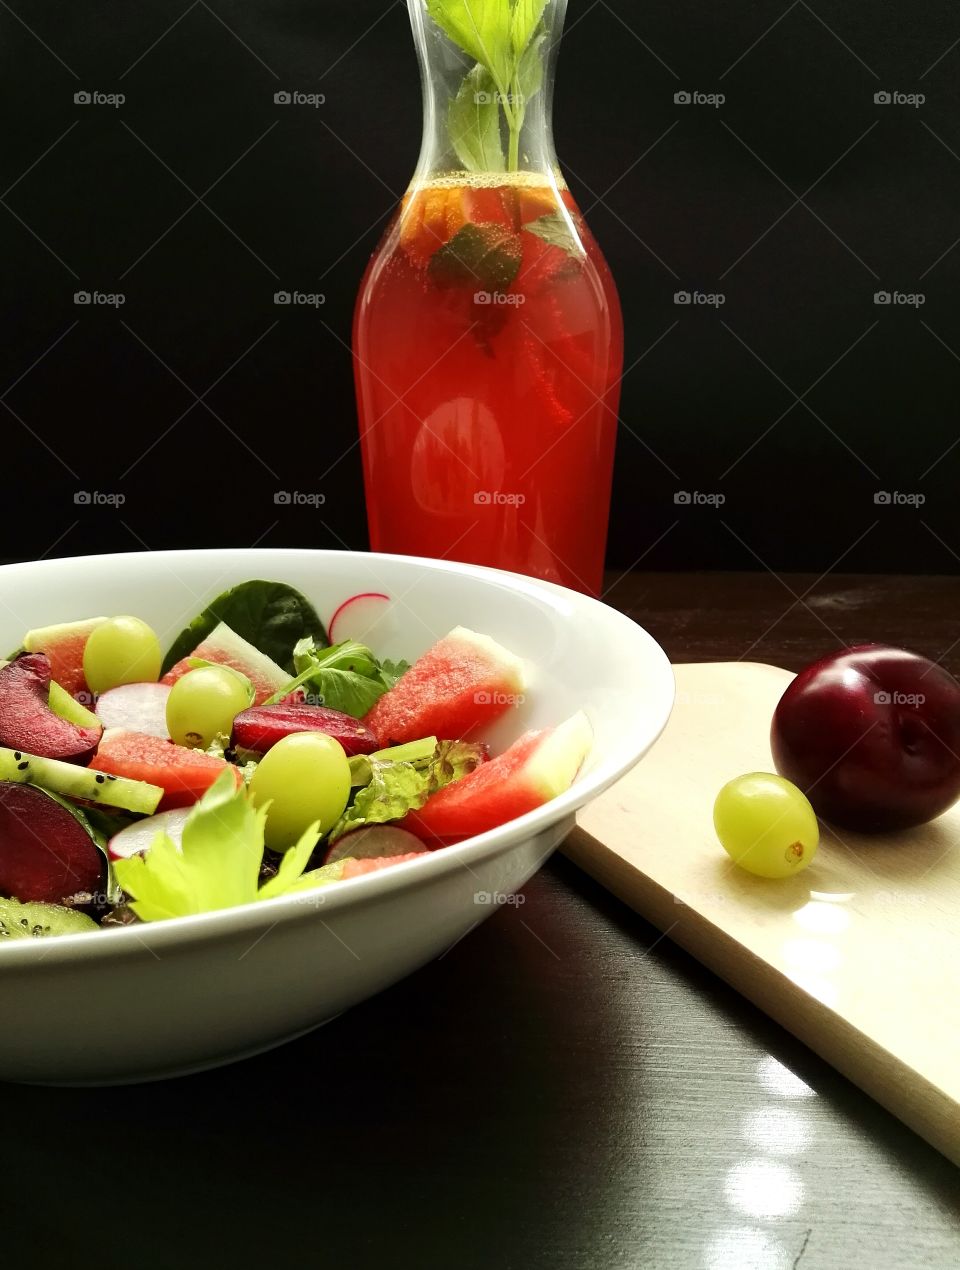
(28, 723)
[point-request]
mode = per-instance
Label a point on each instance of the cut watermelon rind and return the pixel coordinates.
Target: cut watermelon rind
(464, 682)
(553, 766)
(507, 664)
(64, 643)
(41, 637)
(224, 645)
(537, 768)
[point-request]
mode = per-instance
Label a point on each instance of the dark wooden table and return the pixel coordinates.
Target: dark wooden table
(564, 1088)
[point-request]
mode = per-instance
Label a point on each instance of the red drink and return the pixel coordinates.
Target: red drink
(488, 348)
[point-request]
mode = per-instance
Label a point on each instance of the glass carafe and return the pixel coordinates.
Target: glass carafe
(488, 341)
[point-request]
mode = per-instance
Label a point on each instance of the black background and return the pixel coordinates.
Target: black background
(682, 197)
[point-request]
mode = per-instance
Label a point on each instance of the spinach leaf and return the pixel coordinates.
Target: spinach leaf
(270, 615)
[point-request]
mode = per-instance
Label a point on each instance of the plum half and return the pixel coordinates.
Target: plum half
(28, 723)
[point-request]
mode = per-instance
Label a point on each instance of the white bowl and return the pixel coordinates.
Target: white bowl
(149, 1001)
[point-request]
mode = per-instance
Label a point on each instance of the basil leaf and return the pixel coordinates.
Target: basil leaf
(474, 123)
(271, 616)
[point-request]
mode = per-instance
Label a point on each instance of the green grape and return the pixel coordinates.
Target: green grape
(204, 703)
(123, 650)
(766, 825)
(305, 777)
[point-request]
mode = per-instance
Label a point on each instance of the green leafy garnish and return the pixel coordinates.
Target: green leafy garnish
(482, 28)
(485, 256)
(271, 616)
(505, 38)
(394, 788)
(554, 228)
(218, 863)
(347, 677)
(474, 123)
(524, 22)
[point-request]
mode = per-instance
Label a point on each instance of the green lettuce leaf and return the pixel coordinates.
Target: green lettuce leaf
(217, 865)
(271, 616)
(394, 788)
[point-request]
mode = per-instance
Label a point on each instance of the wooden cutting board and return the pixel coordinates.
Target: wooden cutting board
(858, 956)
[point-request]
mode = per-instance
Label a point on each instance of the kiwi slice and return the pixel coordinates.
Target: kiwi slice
(37, 921)
(73, 781)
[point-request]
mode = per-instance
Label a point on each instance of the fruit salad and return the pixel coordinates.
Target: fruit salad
(259, 756)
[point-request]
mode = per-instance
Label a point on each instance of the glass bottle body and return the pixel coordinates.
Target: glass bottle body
(488, 340)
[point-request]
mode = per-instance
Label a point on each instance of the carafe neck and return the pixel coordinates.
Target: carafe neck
(488, 73)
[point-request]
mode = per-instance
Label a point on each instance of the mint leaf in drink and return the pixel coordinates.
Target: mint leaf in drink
(485, 257)
(554, 228)
(474, 123)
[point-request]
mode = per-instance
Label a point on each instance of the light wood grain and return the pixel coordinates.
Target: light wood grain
(859, 956)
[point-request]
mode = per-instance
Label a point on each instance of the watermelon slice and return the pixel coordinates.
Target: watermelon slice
(357, 868)
(64, 645)
(537, 767)
(464, 682)
(225, 647)
(184, 775)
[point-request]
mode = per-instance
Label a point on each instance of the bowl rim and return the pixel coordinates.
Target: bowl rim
(249, 918)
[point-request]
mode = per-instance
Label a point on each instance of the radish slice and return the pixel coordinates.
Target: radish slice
(362, 617)
(140, 835)
(136, 708)
(374, 842)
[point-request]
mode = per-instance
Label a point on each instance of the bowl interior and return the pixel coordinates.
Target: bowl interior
(579, 653)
